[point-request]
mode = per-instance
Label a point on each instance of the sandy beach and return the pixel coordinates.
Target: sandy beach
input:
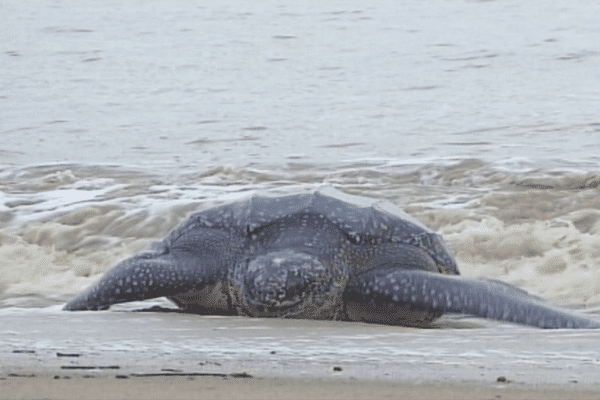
(80, 387)
(46, 353)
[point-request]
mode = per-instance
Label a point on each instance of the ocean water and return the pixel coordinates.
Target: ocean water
(479, 118)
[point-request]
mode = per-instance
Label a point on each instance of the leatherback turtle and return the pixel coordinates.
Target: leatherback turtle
(321, 254)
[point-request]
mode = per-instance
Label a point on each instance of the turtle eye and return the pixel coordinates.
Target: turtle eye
(354, 238)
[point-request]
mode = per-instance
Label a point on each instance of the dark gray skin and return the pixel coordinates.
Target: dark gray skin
(317, 255)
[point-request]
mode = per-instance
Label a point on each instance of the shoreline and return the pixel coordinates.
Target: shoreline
(114, 354)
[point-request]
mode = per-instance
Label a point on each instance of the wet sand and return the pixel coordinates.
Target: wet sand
(52, 354)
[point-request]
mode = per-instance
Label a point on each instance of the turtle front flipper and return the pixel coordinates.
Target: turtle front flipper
(169, 269)
(145, 276)
(413, 297)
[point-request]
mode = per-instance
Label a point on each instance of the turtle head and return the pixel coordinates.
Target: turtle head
(283, 284)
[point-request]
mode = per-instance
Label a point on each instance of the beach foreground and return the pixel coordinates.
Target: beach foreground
(47, 353)
(82, 387)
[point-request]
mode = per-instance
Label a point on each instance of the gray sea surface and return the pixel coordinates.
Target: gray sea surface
(192, 85)
(480, 118)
